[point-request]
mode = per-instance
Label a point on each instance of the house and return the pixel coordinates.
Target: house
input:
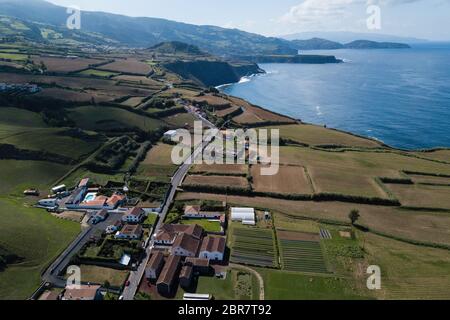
(134, 215)
(167, 278)
(170, 134)
(194, 212)
(48, 203)
(114, 201)
(200, 265)
(59, 189)
(244, 215)
(129, 232)
(154, 266)
(185, 245)
(49, 295)
(186, 276)
(114, 227)
(167, 234)
(83, 183)
(213, 248)
(75, 198)
(82, 292)
(99, 216)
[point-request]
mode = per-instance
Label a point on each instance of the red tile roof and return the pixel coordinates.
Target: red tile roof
(169, 271)
(187, 242)
(213, 244)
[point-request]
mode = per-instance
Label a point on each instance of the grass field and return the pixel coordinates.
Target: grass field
(133, 102)
(11, 117)
(158, 162)
(36, 237)
(131, 66)
(110, 118)
(289, 179)
(13, 56)
(181, 120)
(55, 141)
(284, 222)
(100, 275)
(230, 169)
(99, 178)
(422, 196)
(55, 64)
(208, 225)
(429, 179)
(282, 285)
(17, 176)
(253, 246)
(98, 73)
(316, 135)
(222, 181)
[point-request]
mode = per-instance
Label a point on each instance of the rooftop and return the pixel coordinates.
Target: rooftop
(84, 292)
(187, 242)
(169, 271)
(213, 244)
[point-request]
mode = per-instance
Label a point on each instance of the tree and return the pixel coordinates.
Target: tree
(354, 216)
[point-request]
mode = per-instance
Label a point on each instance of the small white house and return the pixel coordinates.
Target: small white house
(213, 248)
(134, 215)
(244, 215)
(170, 134)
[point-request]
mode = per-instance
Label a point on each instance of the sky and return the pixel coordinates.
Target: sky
(426, 19)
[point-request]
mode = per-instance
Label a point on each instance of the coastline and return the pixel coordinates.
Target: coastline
(249, 78)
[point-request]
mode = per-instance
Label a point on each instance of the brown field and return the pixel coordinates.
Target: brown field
(317, 135)
(299, 236)
(130, 65)
(216, 181)
(422, 196)
(429, 179)
(159, 155)
(253, 114)
(141, 80)
(290, 180)
(133, 102)
(55, 64)
(227, 111)
(231, 169)
(70, 95)
(441, 155)
(212, 100)
(344, 181)
(415, 225)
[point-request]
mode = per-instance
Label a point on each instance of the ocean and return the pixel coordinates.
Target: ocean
(400, 97)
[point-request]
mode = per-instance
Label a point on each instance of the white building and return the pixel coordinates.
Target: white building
(134, 215)
(170, 134)
(244, 215)
(50, 203)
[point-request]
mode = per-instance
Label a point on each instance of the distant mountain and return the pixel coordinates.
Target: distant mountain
(147, 32)
(346, 37)
(365, 44)
(316, 44)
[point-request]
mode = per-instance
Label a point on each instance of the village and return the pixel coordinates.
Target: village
(194, 245)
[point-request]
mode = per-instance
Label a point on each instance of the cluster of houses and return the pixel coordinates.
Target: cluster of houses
(13, 87)
(183, 251)
(74, 293)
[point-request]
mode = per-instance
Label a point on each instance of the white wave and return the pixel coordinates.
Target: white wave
(318, 111)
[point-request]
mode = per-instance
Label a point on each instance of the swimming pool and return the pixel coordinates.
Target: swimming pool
(90, 197)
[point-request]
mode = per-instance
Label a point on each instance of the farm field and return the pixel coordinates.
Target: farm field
(429, 179)
(415, 225)
(110, 118)
(226, 112)
(133, 101)
(222, 181)
(74, 178)
(317, 135)
(20, 175)
(158, 162)
(230, 169)
(13, 56)
(55, 64)
(73, 96)
(427, 274)
(422, 196)
(99, 275)
(11, 117)
(333, 180)
(130, 66)
(180, 120)
(282, 285)
(284, 222)
(289, 180)
(37, 238)
(140, 80)
(57, 141)
(98, 73)
(253, 246)
(441, 155)
(301, 252)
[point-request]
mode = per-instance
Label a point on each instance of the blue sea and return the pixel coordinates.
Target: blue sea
(400, 97)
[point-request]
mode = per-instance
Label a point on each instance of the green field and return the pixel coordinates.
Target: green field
(98, 73)
(209, 226)
(253, 246)
(110, 118)
(37, 238)
(302, 256)
(13, 56)
(100, 275)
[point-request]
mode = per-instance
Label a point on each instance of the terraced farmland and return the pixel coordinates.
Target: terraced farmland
(254, 247)
(302, 256)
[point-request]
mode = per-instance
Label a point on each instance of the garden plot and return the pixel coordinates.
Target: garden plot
(301, 252)
(253, 247)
